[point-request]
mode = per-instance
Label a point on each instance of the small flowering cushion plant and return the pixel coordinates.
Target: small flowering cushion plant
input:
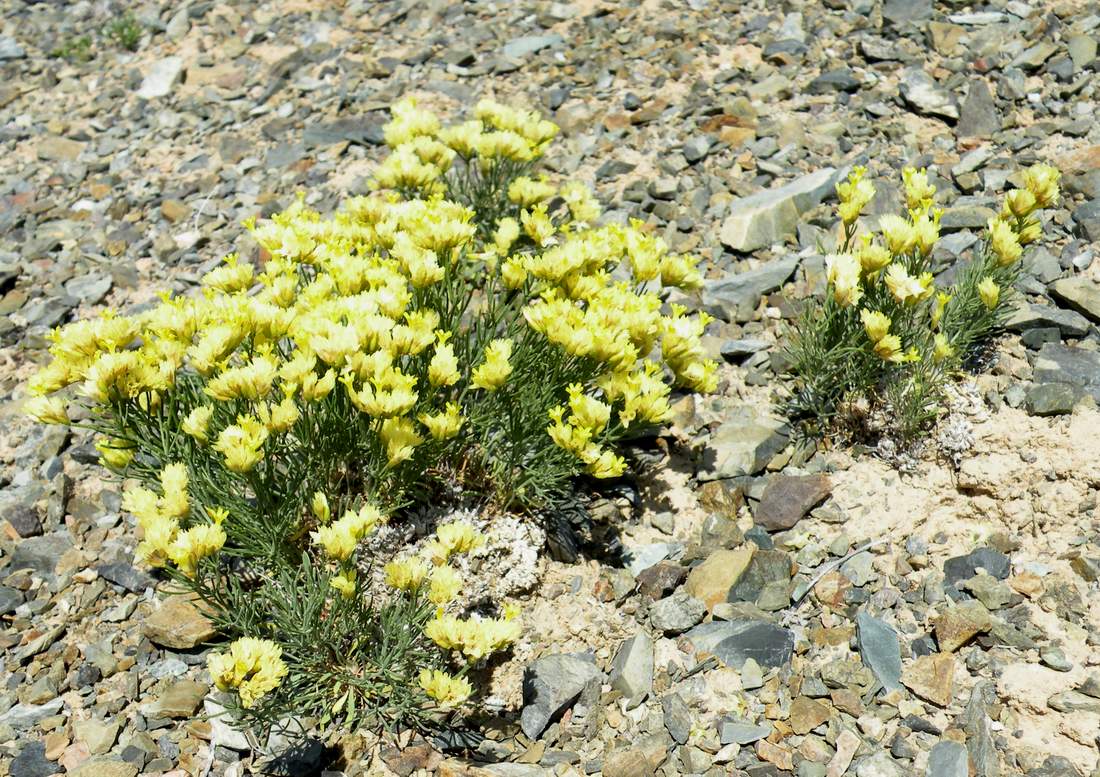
(876, 353)
(468, 324)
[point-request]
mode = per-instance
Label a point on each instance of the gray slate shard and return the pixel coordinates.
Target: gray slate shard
(632, 668)
(1057, 363)
(978, 116)
(948, 759)
(1036, 316)
(736, 296)
(127, 576)
(735, 642)
(518, 48)
(960, 568)
(770, 216)
(880, 650)
(358, 130)
(734, 730)
(41, 553)
(551, 685)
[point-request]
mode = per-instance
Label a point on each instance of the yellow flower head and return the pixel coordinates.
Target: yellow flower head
(942, 348)
(318, 505)
(406, 574)
(1042, 181)
(907, 289)
(47, 410)
(898, 234)
(1004, 242)
(116, 454)
(447, 690)
(889, 349)
(197, 422)
(842, 272)
(443, 368)
(254, 667)
(443, 425)
(1019, 203)
(990, 292)
(942, 298)
(876, 324)
(873, 257)
(400, 438)
(494, 371)
(854, 194)
(344, 583)
(918, 191)
(195, 544)
(458, 537)
(337, 540)
(445, 583)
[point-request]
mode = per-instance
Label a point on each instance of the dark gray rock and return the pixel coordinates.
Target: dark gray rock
(125, 575)
(1055, 766)
(899, 12)
(965, 567)
(921, 91)
(839, 80)
(734, 731)
(552, 684)
(734, 642)
(735, 297)
(1080, 293)
(768, 569)
(979, 734)
(41, 553)
(1036, 316)
(1087, 219)
(1057, 363)
(10, 598)
(24, 519)
(978, 116)
(31, 762)
(880, 650)
(359, 130)
(525, 46)
(1047, 399)
(678, 718)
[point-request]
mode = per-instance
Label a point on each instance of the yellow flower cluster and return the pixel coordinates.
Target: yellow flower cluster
(340, 538)
(446, 689)
(159, 518)
(423, 151)
(253, 667)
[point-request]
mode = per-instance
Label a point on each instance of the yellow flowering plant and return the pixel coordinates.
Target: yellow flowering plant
(468, 326)
(886, 336)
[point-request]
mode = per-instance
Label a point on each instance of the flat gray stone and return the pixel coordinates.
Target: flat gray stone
(632, 667)
(770, 216)
(1032, 315)
(736, 296)
(742, 445)
(161, 78)
(948, 759)
(1080, 293)
(551, 684)
(734, 642)
(525, 46)
(922, 92)
(880, 650)
(1057, 363)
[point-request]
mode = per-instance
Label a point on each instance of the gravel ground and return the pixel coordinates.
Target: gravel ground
(779, 610)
